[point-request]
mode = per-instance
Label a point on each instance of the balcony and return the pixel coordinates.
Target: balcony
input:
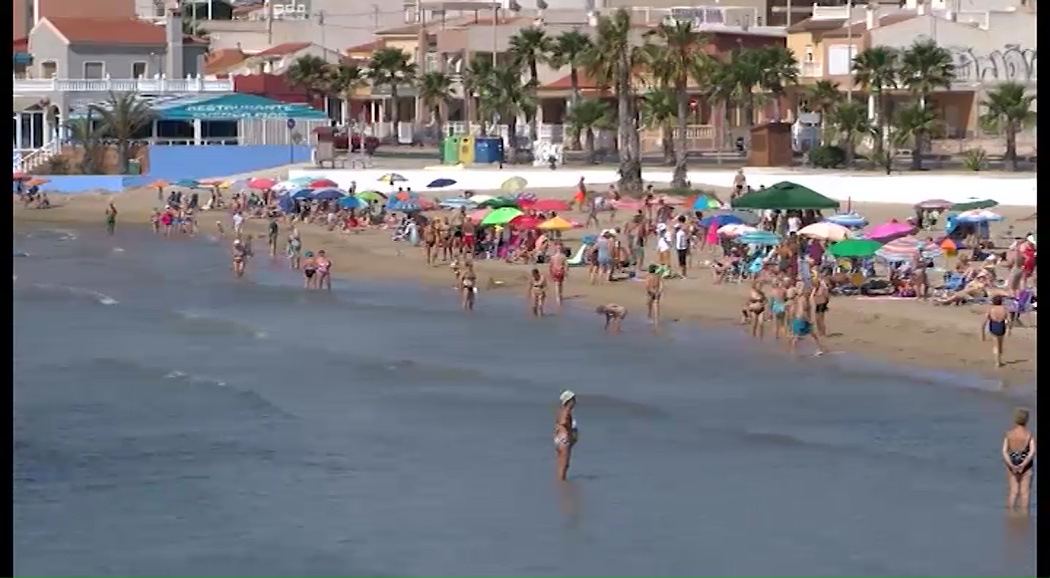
(156, 85)
(810, 70)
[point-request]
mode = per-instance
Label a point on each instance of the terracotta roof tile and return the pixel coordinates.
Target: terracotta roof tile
(565, 83)
(220, 61)
(21, 45)
(110, 31)
(283, 49)
(367, 47)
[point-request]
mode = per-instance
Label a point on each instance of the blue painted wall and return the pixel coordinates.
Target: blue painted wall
(171, 163)
(84, 183)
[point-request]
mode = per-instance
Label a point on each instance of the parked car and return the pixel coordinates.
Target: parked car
(353, 142)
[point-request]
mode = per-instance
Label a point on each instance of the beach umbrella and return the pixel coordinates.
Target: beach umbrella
(404, 195)
(973, 203)
(950, 247)
(302, 194)
(526, 197)
(673, 200)
(328, 194)
(854, 248)
(261, 184)
(210, 183)
(498, 203)
(478, 215)
(425, 203)
(410, 206)
(628, 205)
(500, 216)
(720, 221)
(785, 195)
(36, 182)
(440, 183)
(851, 220)
(978, 216)
(234, 184)
(906, 248)
(18, 176)
(286, 204)
(825, 232)
(160, 184)
(548, 205)
(457, 202)
(481, 198)
(890, 230)
(555, 224)
(391, 178)
(747, 217)
(287, 186)
(350, 203)
(735, 230)
(513, 184)
(323, 184)
(764, 238)
(187, 184)
(704, 203)
(369, 196)
(933, 205)
(525, 222)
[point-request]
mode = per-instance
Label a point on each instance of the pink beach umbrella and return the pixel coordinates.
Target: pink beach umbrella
(735, 230)
(628, 205)
(890, 230)
(545, 205)
(907, 248)
(478, 215)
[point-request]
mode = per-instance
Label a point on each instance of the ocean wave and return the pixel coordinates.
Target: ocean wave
(79, 292)
(196, 321)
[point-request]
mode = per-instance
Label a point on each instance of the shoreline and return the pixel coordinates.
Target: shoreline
(909, 333)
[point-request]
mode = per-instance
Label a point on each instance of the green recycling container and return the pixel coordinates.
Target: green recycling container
(450, 150)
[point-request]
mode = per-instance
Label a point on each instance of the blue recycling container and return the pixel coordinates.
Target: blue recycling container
(488, 150)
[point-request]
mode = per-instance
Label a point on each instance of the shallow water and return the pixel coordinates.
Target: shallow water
(170, 420)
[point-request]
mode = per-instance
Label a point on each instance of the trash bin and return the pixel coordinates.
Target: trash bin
(134, 167)
(488, 150)
(466, 150)
(450, 150)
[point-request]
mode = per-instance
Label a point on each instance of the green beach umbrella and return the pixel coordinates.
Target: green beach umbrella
(369, 196)
(784, 195)
(497, 203)
(973, 204)
(500, 216)
(854, 248)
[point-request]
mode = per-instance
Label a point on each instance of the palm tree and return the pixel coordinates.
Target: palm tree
(610, 63)
(311, 73)
(723, 88)
(851, 121)
(673, 61)
(584, 118)
(528, 48)
(779, 69)
(823, 97)
(476, 79)
(343, 80)
(924, 68)
(122, 116)
(390, 67)
(659, 109)
(876, 70)
(504, 96)
(1008, 110)
(83, 132)
(569, 49)
(435, 89)
(913, 125)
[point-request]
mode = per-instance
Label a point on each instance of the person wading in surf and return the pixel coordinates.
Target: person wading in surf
(565, 433)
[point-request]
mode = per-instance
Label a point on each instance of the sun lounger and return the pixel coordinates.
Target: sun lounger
(577, 260)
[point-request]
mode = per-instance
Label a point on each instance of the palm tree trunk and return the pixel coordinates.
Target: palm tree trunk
(590, 145)
(1011, 147)
(667, 140)
(880, 138)
(395, 110)
(851, 152)
(574, 79)
(623, 110)
(635, 140)
(512, 140)
(534, 81)
(678, 178)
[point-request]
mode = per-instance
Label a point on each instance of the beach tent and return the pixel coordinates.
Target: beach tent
(785, 195)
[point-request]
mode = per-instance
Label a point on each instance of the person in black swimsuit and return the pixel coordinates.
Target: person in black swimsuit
(994, 322)
(1019, 456)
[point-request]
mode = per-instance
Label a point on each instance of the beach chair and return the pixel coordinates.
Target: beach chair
(578, 260)
(1018, 306)
(952, 282)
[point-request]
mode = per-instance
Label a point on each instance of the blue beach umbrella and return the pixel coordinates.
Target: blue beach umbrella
(286, 204)
(764, 238)
(850, 220)
(302, 194)
(456, 203)
(722, 220)
(328, 194)
(187, 183)
(351, 203)
(589, 239)
(705, 203)
(439, 183)
(404, 206)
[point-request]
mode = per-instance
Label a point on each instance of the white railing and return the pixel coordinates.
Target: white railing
(833, 12)
(30, 159)
(155, 85)
(811, 70)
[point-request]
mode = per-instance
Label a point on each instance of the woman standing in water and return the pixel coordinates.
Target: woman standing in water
(111, 218)
(324, 271)
(565, 432)
(468, 280)
(995, 323)
(1019, 456)
(537, 293)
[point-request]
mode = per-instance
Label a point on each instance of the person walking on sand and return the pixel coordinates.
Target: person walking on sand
(654, 290)
(272, 234)
(111, 219)
(1019, 456)
(565, 433)
(614, 315)
(681, 246)
(994, 322)
(559, 268)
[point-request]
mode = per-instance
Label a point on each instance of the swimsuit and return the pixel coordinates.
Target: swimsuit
(777, 307)
(997, 328)
(558, 274)
(1018, 458)
(309, 272)
(756, 305)
(821, 307)
(801, 327)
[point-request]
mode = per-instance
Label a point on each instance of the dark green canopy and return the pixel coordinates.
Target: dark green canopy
(784, 196)
(972, 204)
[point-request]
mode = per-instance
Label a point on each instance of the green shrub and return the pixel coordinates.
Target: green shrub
(975, 159)
(827, 156)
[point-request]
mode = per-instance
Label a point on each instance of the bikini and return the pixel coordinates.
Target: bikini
(562, 437)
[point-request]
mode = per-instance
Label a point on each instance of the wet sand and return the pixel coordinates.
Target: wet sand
(898, 331)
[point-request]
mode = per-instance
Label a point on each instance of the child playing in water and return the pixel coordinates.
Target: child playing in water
(614, 315)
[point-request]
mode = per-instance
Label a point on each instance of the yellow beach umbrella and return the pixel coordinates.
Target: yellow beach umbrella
(555, 224)
(514, 184)
(391, 178)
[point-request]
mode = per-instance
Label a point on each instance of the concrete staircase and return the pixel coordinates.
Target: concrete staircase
(27, 161)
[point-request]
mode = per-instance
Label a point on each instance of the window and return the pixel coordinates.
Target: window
(138, 70)
(94, 70)
(839, 57)
(48, 69)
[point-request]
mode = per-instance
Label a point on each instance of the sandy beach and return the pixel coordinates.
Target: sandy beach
(898, 331)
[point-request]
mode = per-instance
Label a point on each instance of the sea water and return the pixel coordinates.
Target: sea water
(170, 420)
